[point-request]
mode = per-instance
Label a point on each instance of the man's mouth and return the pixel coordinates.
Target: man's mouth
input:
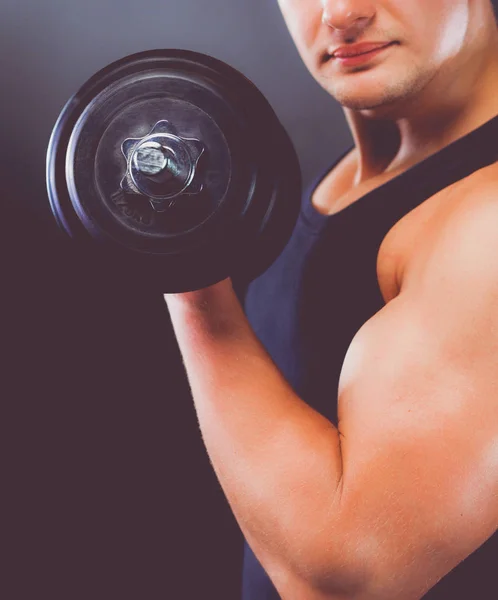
(343, 53)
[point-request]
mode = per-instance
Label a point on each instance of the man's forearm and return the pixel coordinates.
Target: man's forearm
(278, 460)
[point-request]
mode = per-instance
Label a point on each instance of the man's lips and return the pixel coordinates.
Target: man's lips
(356, 49)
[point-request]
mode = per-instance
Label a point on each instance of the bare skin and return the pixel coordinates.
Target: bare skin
(387, 504)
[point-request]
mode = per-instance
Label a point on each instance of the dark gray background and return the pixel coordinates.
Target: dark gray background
(108, 489)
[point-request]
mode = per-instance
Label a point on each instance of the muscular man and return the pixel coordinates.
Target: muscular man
(351, 413)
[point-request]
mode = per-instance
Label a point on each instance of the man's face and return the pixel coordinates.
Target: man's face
(425, 36)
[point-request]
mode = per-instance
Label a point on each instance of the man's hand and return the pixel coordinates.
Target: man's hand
(409, 488)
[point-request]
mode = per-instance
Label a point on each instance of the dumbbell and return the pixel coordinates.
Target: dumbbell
(171, 167)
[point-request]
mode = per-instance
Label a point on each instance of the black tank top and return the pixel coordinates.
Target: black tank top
(308, 306)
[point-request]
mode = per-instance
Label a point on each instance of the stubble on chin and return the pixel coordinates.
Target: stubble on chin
(364, 97)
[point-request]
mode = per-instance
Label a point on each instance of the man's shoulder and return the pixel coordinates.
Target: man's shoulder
(480, 182)
(460, 237)
(452, 223)
(470, 213)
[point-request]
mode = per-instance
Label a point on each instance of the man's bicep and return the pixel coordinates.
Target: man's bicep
(418, 415)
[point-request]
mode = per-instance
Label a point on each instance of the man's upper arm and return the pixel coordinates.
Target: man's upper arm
(418, 414)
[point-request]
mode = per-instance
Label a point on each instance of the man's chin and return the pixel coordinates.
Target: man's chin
(371, 104)
(380, 104)
(362, 103)
(380, 97)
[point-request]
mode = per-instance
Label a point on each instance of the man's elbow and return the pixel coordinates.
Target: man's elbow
(331, 571)
(345, 577)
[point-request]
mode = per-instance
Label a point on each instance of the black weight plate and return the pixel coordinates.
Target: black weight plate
(245, 212)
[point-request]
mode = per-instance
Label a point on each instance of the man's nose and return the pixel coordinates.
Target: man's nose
(347, 14)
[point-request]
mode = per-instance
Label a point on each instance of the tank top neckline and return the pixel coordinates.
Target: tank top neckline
(449, 157)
